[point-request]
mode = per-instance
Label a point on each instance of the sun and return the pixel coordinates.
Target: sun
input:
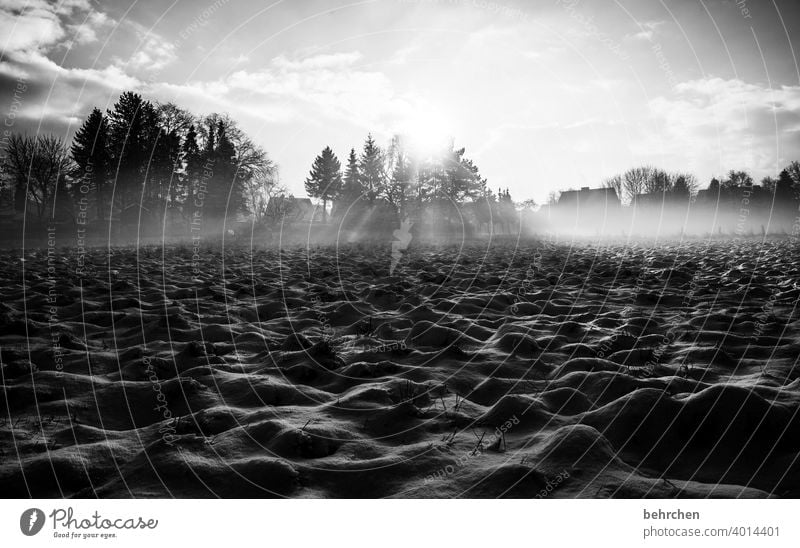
(427, 133)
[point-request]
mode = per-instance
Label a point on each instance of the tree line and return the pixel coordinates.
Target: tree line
(397, 180)
(139, 153)
(649, 180)
(785, 188)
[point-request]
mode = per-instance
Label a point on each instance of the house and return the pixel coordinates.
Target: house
(589, 198)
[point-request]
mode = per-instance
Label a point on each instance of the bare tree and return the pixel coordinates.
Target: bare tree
(174, 118)
(635, 181)
(658, 180)
(614, 182)
(260, 189)
(38, 168)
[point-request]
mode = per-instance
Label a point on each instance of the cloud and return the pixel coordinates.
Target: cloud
(744, 125)
(38, 25)
(315, 89)
(56, 97)
(85, 32)
(329, 61)
(152, 52)
(29, 27)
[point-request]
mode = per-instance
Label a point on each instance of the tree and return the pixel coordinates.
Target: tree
(635, 181)
(684, 186)
(325, 179)
(615, 182)
(193, 168)
(225, 192)
(398, 188)
(462, 178)
(260, 189)
(38, 167)
(234, 159)
(133, 131)
(371, 169)
(399, 185)
(784, 188)
(793, 175)
(351, 185)
(658, 181)
(165, 159)
(506, 212)
(793, 170)
(768, 184)
(92, 158)
(737, 179)
(16, 166)
(174, 118)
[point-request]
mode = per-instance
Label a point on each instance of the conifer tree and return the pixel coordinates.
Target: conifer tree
(133, 128)
(325, 179)
(92, 159)
(371, 169)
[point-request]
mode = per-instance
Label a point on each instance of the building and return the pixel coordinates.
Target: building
(589, 199)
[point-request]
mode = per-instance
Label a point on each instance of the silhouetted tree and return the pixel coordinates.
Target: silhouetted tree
(234, 160)
(371, 169)
(635, 181)
(225, 194)
(92, 159)
(737, 179)
(260, 189)
(325, 179)
(133, 129)
(768, 184)
(784, 188)
(793, 170)
(193, 169)
(39, 167)
(658, 180)
(351, 186)
(399, 187)
(174, 118)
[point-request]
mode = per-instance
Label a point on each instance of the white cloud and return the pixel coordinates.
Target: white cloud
(325, 61)
(750, 124)
(314, 89)
(39, 24)
(85, 32)
(55, 96)
(44, 70)
(153, 53)
(28, 28)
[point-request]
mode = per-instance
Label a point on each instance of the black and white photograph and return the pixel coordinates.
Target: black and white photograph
(399, 249)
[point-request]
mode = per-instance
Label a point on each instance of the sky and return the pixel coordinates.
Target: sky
(544, 95)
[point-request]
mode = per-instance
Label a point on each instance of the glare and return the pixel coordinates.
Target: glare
(427, 133)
